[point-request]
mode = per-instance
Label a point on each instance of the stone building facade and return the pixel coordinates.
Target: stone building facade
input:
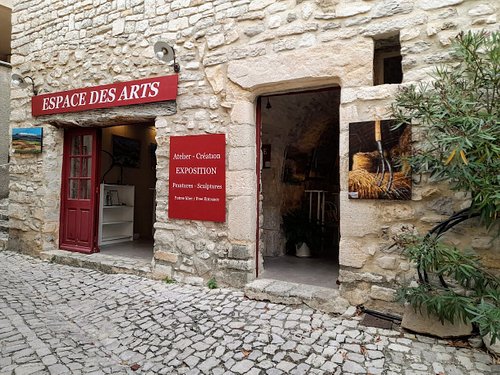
(232, 52)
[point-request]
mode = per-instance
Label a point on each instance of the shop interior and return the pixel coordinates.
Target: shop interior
(127, 195)
(300, 187)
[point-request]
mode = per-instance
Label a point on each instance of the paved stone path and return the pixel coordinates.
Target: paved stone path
(57, 319)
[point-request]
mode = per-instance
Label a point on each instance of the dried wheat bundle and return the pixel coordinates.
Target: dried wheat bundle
(365, 184)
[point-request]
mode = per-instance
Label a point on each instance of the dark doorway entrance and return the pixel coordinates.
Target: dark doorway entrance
(128, 191)
(300, 186)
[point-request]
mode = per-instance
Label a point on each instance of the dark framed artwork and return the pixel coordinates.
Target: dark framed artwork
(377, 165)
(27, 140)
(126, 151)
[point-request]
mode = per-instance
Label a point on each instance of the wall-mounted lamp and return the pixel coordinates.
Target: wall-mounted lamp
(20, 81)
(166, 53)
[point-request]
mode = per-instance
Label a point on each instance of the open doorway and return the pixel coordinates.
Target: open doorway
(300, 187)
(127, 191)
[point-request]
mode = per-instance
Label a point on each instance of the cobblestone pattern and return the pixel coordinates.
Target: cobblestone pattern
(57, 320)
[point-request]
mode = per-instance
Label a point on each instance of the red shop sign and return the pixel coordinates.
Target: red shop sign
(197, 181)
(141, 91)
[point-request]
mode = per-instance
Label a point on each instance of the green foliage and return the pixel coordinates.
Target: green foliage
(453, 285)
(457, 116)
(212, 283)
(169, 280)
(458, 111)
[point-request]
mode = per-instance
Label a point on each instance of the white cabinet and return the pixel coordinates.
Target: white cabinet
(116, 214)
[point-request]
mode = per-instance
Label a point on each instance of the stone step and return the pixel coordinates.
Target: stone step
(277, 291)
(99, 262)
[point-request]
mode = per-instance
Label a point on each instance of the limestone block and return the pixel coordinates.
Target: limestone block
(185, 247)
(215, 41)
(242, 216)
(481, 10)
(243, 112)
(274, 21)
(178, 24)
(383, 294)
(241, 158)
(351, 254)
(239, 251)
(351, 9)
(391, 7)
(118, 26)
(401, 228)
(351, 277)
(492, 348)
(482, 242)
(358, 218)
(253, 30)
(179, 4)
(236, 264)
(434, 4)
(161, 272)
(318, 67)
(381, 28)
(166, 256)
(242, 135)
(164, 236)
(241, 183)
(357, 296)
(387, 262)
(397, 211)
(202, 266)
(424, 323)
(216, 77)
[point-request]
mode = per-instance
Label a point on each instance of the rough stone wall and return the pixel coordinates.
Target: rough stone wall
(231, 51)
(4, 128)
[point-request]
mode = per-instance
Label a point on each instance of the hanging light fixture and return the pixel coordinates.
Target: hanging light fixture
(268, 105)
(20, 81)
(166, 53)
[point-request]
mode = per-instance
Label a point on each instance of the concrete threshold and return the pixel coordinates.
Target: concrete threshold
(100, 262)
(317, 297)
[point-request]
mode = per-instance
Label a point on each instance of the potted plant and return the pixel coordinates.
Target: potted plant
(458, 114)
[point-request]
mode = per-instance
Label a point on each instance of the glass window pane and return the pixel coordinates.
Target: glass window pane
(75, 167)
(87, 145)
(73, 189)
(75, 145)
(85, 189)
(86, 166)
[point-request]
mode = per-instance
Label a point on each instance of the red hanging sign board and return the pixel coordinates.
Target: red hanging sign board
(118, 94)
(197, 181)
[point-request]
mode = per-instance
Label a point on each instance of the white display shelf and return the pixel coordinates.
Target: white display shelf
(116, 214)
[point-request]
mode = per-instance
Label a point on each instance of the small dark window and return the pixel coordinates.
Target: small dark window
(387, 61)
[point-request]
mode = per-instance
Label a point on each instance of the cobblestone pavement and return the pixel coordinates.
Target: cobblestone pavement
(60, 320)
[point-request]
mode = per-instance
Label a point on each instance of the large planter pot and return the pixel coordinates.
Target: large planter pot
(430, 324)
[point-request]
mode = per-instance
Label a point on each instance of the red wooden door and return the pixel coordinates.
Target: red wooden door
(79, 194)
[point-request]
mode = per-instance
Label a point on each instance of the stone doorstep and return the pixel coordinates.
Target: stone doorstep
(100, 262)
(320, 298)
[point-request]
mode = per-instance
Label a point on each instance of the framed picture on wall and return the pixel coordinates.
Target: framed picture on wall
(27, 140)
(126, 151)
(377, 160)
